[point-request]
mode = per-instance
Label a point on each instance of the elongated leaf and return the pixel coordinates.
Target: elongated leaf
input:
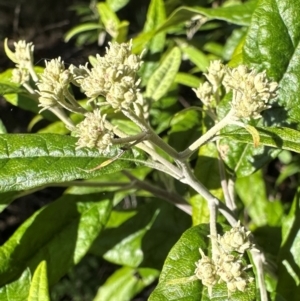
(156, 15)
(116, 5)
(2, 128)
(6, 88)
(289, 257)
(109, 18)
(6, 198)
(163, 77)
(156, 225)
(187, 79)
(39, 284)
(252, 192)
(196, 56)
(237, 14)
(185, 128)
(125, 283)
(60, 233)
(29, 161)
(80, 29)
(175, 281)
(17, 290)
(277, 137)
(140, 41)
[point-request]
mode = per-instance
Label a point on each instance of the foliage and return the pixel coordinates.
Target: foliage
(193, 159)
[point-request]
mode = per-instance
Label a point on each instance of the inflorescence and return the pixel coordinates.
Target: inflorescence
(251, 91)
(227, 266)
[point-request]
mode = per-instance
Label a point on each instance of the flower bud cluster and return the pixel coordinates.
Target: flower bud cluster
(92, 132)
(206, 270)
(206, 92)
(251, 90)
(52, 84)
(113, 76)
(23, 58)
(237, 239)
(227, 266)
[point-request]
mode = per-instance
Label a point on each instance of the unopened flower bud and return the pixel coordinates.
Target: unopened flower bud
(237, 239)
(205, 93)
(251, 91)
(92, 132)
(215, 74)
(206, 271)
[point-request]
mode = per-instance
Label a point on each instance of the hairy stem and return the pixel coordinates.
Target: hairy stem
(258, 262)
(207, 136)
(153, 137)
(190, 179)
(168, 196)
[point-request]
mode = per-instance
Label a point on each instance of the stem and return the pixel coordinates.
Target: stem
(137, 138)
(170, 197)
(71, 108)
(33, 73)
(225, 185)
(153, 137)
(73, 102)
(213, 229)
(257, 257)
(165, 166)
(190, 179)
(29, 88)
(63, 117)
(207, 136)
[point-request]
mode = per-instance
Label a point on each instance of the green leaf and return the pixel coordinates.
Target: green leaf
(39, 284)
(123, 244)
(185, 128)
(60, 234)
(139, 43)
(187, 79)
(156, 15)
(2, 128)
(161, 80)
(277, 137)
(28, 102)
(6, 88)
(17, 290)
(109, 18)
(196, 56)
(239, 14)
(80, 29)
(29, 161)
(289, 257)
(133, 242)
(6, 198)
(116, 5)
(175, 281)
(233, 42)
(261, 210)
(276, 50)
(125, 283)
(240, 157)
(282, 61)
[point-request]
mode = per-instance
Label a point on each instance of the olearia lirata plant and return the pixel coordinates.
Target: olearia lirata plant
(113, 82)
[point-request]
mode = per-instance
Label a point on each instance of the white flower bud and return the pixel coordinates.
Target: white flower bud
(92, 132)
(237, 239)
